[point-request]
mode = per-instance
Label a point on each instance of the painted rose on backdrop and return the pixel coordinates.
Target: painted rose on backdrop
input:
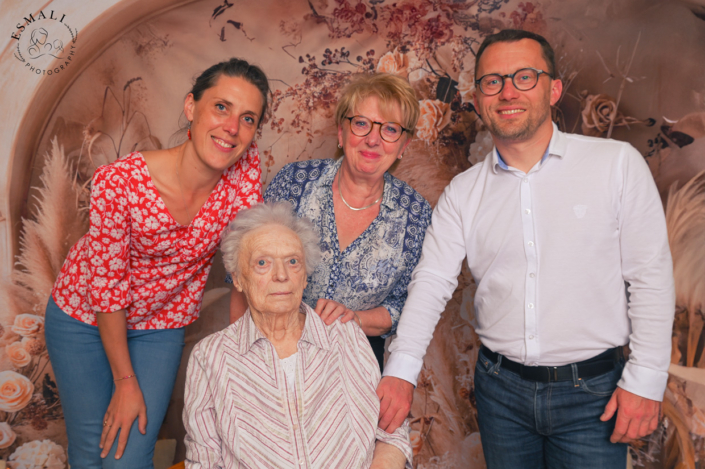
(394, 62)
(15, 391)
(37, 454)
(7, 436)
(28, 325)
(18, 355)
(435, 116)
(599, 111)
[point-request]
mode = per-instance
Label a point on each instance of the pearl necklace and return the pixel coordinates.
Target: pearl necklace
(340, 192)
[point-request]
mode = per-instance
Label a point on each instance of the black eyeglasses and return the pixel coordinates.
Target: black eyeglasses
(390, 132)
(524, 80)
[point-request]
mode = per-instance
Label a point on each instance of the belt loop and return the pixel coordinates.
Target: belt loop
(576, 378)
(495, 368)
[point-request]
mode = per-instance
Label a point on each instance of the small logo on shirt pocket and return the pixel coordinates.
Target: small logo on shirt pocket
(580, 210)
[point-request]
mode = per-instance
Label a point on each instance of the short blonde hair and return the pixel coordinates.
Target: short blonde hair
(389, 89)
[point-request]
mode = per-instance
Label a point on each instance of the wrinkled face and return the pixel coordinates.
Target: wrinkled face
(272, 270)
(370, 155)
(224, 121)
(515, 115)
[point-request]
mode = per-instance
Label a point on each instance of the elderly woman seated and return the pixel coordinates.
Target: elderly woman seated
(279, 388)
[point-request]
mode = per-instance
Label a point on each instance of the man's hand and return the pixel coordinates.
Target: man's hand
(636, 416)
(395, 397)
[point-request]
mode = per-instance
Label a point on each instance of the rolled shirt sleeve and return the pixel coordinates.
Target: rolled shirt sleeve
(400, 440)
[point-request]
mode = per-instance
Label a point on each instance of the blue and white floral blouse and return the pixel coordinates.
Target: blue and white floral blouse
(376, 268)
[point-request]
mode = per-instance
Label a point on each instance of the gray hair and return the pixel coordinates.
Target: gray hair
(269, 213)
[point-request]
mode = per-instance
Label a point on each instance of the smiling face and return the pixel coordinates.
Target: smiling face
(224, 121)
(514, 115)
(370, 155)
(272, 270)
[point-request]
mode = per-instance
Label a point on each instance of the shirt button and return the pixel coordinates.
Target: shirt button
(302, 462)
(530, 305)
(532, 275)
(527, 211)
(526, 179)
(531, 337)
(530, 243)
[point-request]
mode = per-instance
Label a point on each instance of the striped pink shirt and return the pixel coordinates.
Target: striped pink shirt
(240, 412)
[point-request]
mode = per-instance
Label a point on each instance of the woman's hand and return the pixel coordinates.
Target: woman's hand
(374, 322)
(330, 310)
(126, 405)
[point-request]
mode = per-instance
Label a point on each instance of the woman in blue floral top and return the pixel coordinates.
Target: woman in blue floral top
(372, 225)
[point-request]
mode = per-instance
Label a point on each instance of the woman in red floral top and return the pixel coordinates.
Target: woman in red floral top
(156, 220)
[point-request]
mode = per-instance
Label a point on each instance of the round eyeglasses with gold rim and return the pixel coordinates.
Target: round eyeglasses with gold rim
(390, 132)
(524, 79)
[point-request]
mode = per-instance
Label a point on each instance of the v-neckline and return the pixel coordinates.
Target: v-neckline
(150, 184)
(362, 235)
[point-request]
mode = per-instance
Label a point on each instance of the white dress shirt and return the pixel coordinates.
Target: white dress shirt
(550, 251)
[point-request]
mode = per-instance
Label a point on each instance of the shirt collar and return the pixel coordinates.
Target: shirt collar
(556, 147)
(314, 332)
(388, 197)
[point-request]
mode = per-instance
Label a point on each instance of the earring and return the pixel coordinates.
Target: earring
(188, 133)
(340, 146)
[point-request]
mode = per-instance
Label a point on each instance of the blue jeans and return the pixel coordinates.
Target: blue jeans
(526, 424)
(86, 386)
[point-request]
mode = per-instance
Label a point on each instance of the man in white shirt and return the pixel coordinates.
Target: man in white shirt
(553, 226)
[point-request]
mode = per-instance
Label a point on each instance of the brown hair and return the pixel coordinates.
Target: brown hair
(233, 68)
(389, 89)
(514, 35)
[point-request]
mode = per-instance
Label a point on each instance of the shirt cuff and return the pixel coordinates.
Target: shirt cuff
(399, 439)
(394, 315)
(642, 381)
(403, 367)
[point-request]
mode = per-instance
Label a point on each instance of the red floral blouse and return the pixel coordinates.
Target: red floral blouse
(136, 257)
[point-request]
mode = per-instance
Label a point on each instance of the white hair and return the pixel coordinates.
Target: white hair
(269, 213)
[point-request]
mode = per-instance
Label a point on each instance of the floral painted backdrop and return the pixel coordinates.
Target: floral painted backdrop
(618, 59)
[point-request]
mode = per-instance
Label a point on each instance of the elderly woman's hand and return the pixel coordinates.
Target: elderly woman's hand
(330, 310)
